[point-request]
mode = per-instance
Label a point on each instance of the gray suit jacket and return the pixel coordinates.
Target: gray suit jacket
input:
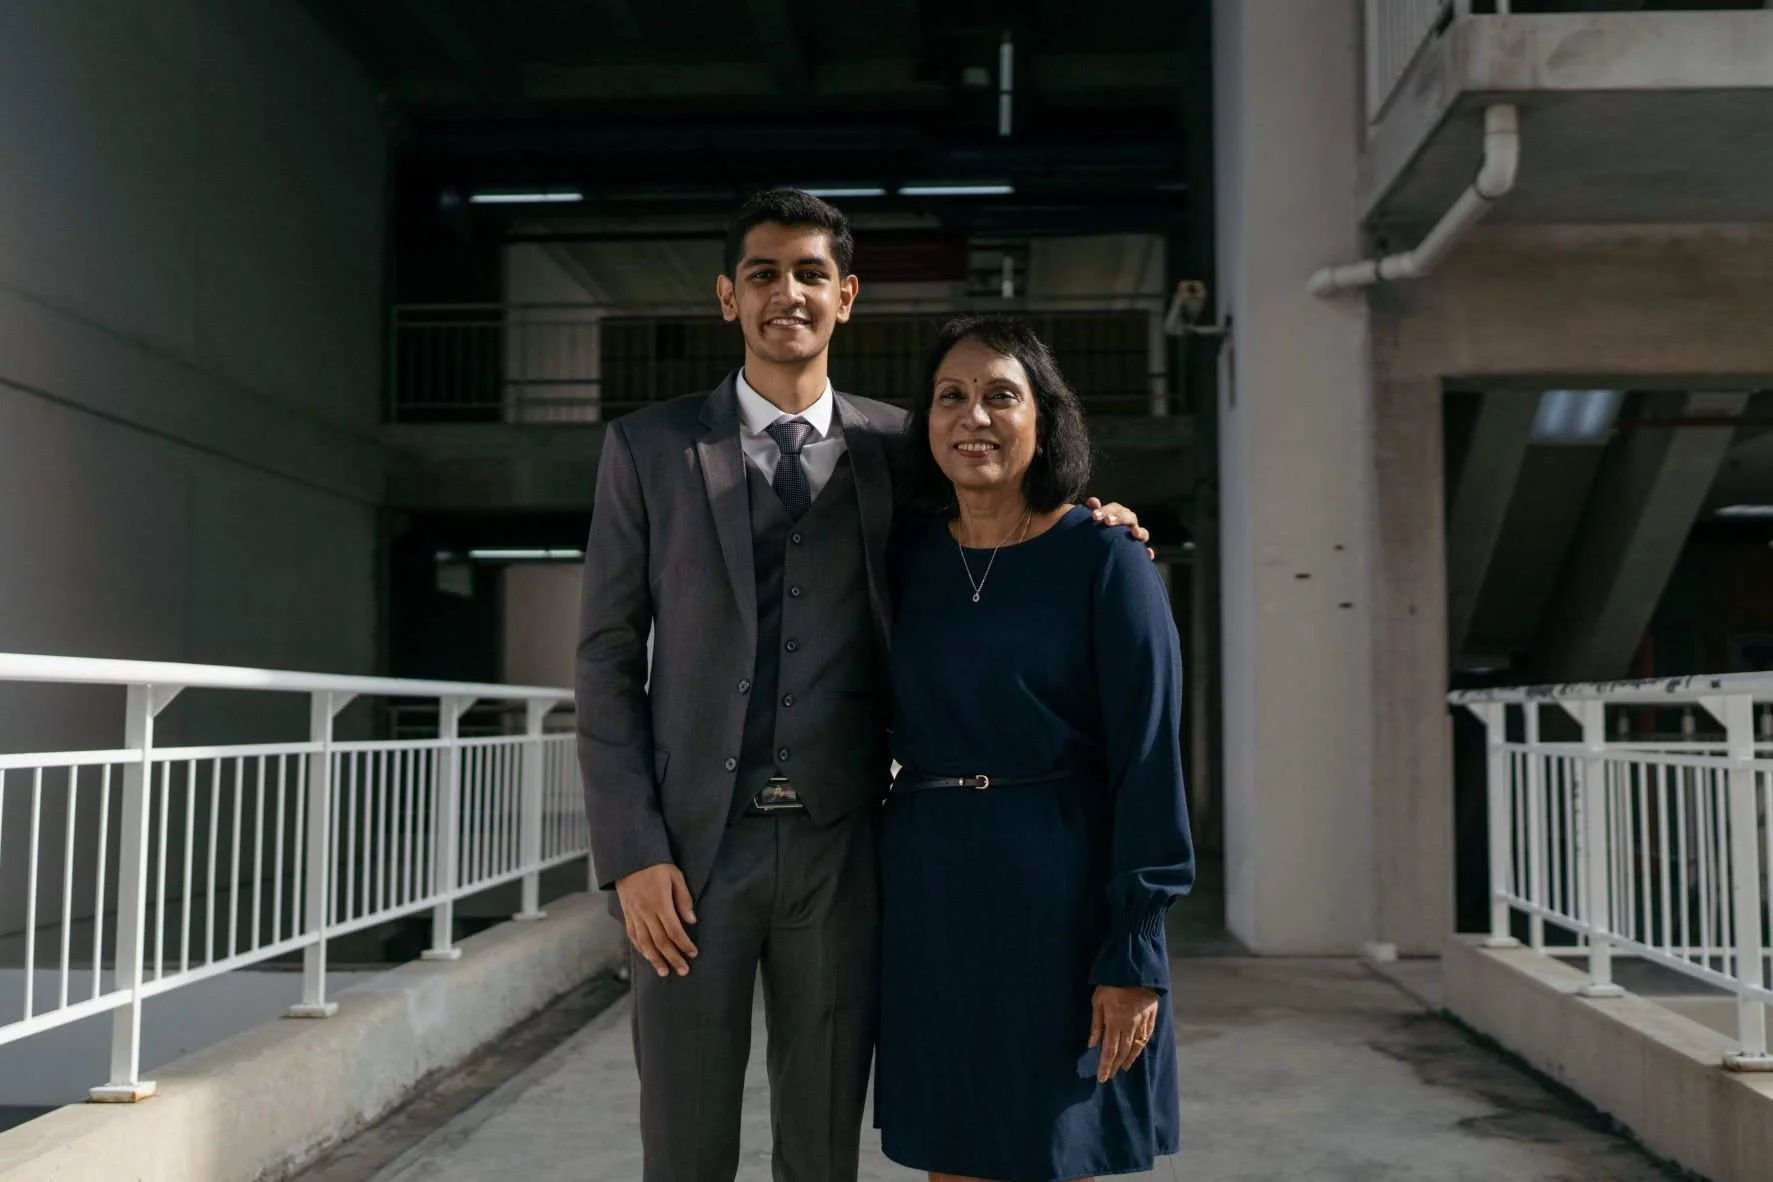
(670, 552)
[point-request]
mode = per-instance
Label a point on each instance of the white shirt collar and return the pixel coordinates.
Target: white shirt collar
(757, 412)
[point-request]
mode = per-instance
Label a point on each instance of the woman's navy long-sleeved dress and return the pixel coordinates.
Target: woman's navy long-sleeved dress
(1005, 907)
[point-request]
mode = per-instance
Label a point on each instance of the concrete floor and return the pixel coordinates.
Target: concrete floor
(1296, 1069)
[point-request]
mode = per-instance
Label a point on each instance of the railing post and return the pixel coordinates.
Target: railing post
(323, 709)
(1597, 889)
(1499, 796)
(145, 702)
(446, 839)
(530, 819)
(1745, 888)
(1536, 859)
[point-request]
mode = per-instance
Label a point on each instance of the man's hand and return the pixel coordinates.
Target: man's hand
(1118, 514)
(1122, 1020)
(655, 906)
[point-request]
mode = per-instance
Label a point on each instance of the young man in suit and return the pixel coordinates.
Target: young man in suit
(733, 796)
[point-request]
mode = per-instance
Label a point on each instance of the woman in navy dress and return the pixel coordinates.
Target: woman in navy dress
(1037, 831)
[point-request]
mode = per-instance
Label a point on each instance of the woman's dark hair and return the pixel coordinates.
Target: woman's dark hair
(789, 207)
(1063, 455)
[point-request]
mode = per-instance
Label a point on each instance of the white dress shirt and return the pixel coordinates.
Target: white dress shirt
(818, 455)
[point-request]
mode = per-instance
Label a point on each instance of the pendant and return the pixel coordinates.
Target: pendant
(975, 597)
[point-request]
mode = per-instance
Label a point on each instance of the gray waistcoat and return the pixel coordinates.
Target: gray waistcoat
(814, 709)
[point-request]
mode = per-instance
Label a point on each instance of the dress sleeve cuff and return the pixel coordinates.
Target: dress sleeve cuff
(1135, 954)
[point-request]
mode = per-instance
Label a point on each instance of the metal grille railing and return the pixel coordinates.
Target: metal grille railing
(143, 868)
(1396, 31)
(584, 363)
(1657, 847)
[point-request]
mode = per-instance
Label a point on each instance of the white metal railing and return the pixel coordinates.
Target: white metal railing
(145, 868)
(1396, 31)
(1657, 844)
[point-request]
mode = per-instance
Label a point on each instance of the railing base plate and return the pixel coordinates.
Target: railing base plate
(1601, 991)
(1743, 1061)
(325, 1009)
(441, 954)
(1501, 942)
(529, 916)
(122, 1093)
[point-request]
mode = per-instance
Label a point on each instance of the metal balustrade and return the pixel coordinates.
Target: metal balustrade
(583, 363)
(145, 868)
(1653, 846)
(1396, 31)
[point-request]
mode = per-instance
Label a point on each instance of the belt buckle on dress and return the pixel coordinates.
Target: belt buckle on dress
(980, 783)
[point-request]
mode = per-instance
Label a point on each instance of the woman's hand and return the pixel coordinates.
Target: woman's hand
(1122, 1020)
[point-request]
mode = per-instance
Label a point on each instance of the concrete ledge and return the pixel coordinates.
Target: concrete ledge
(1657, 1073)
(261, 1104)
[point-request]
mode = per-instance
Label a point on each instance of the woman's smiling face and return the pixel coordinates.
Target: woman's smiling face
(983, 418)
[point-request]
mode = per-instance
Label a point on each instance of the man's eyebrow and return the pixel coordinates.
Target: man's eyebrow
(812, 260)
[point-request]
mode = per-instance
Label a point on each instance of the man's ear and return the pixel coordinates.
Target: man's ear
(847, 289)
(728, 295)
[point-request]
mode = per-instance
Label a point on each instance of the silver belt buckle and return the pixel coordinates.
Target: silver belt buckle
(776, 796)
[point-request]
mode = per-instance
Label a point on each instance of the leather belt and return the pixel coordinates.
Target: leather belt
(911, 782)
(777, 796)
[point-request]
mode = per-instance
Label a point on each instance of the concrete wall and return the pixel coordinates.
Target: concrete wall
(264, 1103)
(191, 220)
(554, 355)
(1295, 473)
(1534, 308)
(61, 1065)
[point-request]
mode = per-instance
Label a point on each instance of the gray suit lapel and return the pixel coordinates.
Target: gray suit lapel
(874, 498)
(723, 473)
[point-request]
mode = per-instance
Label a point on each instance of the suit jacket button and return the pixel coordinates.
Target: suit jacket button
(732, 765)
(744, 685)
(792, 646)
(795, 538)
(794, 591)
(782, 755)
(787, 699)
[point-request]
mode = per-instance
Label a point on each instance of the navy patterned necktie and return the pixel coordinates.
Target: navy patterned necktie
(791, 482)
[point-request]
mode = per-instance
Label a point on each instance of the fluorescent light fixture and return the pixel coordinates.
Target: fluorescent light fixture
(1746, 511)
(956, 190)
(527, 555)
(859, 191)
(525, 197)
(1575, 416)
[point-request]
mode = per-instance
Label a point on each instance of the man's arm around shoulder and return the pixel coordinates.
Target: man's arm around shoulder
(629, 844)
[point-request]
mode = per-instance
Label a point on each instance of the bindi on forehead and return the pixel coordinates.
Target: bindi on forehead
(996, 372)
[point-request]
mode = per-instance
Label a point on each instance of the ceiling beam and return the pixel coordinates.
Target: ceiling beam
(782, 45)
(619, 16)
(466, 54)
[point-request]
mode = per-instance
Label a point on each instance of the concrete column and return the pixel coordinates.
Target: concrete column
(1650, 489)
(1412, 808)
(1478, 506)
(1296, 472)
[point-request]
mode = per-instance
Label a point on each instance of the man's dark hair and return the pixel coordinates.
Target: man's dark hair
(1063, 455)
(789, 207)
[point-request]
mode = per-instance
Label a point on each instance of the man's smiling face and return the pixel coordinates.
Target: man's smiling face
(787, 295)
